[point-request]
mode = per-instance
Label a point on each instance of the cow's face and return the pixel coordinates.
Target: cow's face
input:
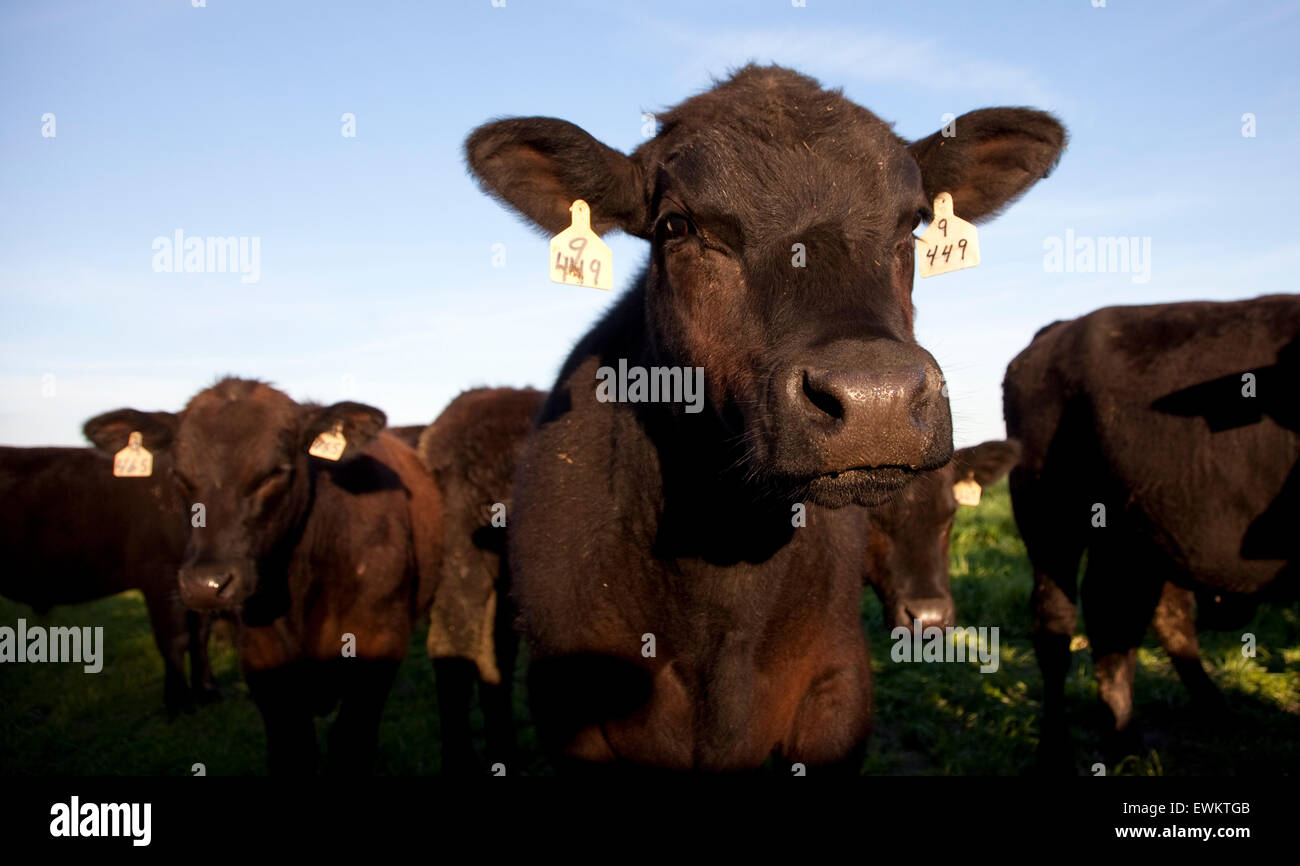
(780, 218)
(239, 449)
(907, 548)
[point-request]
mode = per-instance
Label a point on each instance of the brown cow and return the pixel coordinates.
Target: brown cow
(678, 614)
(323, 563)
(907, 551)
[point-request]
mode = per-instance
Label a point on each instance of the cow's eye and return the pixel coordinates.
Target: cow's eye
(674, 225)
(183, 481)
(916, 220)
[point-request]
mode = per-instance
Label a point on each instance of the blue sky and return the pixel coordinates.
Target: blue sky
(377, 280)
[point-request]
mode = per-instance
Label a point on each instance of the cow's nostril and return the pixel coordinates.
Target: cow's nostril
(822, 397)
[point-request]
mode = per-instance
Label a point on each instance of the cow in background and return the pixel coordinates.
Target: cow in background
(472, 449)
(324, 563)
(1162, 440)
(71, 532)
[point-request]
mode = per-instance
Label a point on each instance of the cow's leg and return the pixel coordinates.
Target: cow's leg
(497, 700)
(202, 685)
(1054, 614)
(167, 616)
(1174, 624)
(1054, 543)
(1119, 601)
(455, 679)
(354, 736)
(281, 696)
(830, 730)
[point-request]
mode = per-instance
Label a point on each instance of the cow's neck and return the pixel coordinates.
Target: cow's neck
(705, 508)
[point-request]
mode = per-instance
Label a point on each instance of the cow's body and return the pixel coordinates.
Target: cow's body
(472, 449)
(1144, 411)
(682, 612)
(70, 532)
(324, 564)
(618, 536)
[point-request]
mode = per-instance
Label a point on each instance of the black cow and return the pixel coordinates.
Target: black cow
(907, 550)
(70, 532)
(472, 450)
(324, 564)
(1163, 441)
(677, 616)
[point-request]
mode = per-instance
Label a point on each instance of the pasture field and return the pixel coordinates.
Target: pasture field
(930, 719)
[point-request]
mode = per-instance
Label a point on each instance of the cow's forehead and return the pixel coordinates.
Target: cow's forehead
(769, 137)
(238, 421)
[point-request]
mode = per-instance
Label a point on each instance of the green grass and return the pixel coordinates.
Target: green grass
(930, 718)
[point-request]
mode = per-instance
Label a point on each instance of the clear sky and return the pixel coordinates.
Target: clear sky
(376, 251)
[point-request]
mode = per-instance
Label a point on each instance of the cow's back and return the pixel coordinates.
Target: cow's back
(71, 532)
(1118, 407)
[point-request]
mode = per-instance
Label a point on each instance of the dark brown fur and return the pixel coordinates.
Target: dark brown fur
(472, 450)
(636, 522)
(1141, 409)
(907, 552)
(305, 552)
(70, 533)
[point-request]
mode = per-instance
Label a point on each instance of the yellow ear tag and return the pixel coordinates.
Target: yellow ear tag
(578, 256)
(967, 492)
(329, 445)
(949, 242)
(133, 461)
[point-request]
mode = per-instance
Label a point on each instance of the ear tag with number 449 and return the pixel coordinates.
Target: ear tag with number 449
(578, 256)
(949, 243)
(133, 461)
(329, 445)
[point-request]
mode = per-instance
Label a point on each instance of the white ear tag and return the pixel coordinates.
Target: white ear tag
(967, 492)
(329, 445)
(578, 256)
(133, 461)
(949, 242)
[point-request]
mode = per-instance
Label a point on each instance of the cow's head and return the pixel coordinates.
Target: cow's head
(808, 351)
(907, 549)
(240, 449)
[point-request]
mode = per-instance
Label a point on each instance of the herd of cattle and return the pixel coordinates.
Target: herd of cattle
(689, 584)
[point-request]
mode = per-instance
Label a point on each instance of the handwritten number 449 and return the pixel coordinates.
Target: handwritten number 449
(574, 265)
(947, 250)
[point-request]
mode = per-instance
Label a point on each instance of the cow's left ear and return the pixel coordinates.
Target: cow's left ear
(357, 422)
(986, 462)
(111, 431)
(992, 156)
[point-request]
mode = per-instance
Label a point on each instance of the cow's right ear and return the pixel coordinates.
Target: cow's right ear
(539, 165)
(110, 431)
(357, 422)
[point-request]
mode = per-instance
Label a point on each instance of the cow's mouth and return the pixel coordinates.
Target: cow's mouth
(862, 485)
